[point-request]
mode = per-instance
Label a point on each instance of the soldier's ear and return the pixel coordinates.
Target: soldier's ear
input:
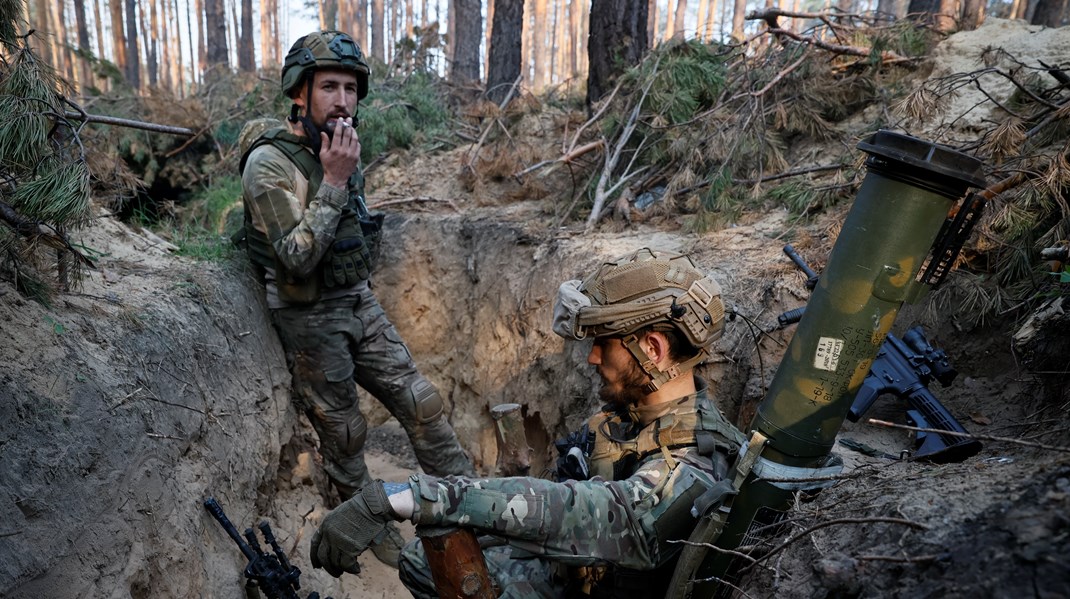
(656, 346)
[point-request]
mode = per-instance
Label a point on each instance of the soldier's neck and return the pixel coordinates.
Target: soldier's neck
(681, 386)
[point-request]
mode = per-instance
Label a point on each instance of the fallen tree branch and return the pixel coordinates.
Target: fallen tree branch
(410, 200)
(916, 559)
(574, 154)
(38, 231)
(111, 120)
(887, 56)
(827, 523)
(938, 431)
(474, 152)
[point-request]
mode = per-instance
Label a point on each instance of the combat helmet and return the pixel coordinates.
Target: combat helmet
(322, 50)
(647, 288)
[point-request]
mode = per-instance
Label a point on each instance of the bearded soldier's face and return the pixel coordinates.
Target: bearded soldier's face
(622, 379)
(334, 97)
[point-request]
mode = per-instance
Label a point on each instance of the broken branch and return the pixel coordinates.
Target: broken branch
(111, 120)
(968, 435)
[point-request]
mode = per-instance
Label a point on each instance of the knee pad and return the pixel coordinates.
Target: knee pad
(426, 402)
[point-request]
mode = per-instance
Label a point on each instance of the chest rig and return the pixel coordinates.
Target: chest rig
(620, 445)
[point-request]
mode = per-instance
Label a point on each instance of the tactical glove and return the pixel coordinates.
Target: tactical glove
(348, 262)
(350, 529)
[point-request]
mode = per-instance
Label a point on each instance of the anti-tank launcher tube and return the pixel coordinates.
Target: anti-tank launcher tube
(910, 188)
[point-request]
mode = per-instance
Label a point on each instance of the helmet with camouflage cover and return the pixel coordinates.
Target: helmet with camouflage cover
(324, 50)
(662, 291)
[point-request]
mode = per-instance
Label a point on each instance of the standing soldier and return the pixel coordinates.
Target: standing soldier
(308, 231)
(658, 445)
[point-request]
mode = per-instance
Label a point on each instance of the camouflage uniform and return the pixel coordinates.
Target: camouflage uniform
(333, 336)
(625, 524)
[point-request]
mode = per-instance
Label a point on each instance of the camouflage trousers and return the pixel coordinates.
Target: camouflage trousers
(334, 343)
(517, 578)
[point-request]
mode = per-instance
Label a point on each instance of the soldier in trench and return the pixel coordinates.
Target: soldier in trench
(311, 237)
(607, 527)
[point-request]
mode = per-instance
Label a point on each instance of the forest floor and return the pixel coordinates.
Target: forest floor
(159, 383)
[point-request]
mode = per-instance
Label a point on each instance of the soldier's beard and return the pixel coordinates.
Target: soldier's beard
(629, 392)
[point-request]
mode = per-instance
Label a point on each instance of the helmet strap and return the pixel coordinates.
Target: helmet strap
(659, 377)
(311, 130)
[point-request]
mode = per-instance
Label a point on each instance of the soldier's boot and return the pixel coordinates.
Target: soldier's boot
(389, 549)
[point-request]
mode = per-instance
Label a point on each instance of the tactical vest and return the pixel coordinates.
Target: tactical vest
(296, 148)
(693, 422)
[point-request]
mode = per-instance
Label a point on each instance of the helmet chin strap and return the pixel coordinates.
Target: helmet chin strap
(659, 377)
(311, 130)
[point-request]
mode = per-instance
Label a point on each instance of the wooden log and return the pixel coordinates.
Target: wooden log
(514, 454)
(457, 564)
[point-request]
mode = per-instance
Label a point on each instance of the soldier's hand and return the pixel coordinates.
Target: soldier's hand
(350, 529)
(340, 153)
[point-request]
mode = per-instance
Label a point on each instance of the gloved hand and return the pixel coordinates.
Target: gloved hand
(350, 529)
(348, 262)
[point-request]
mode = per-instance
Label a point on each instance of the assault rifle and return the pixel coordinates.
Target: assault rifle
(905, 367)
(271, 574)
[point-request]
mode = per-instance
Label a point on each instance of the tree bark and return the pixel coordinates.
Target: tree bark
(678, 21)
(133, 64)
(202, 45)
(328, 14)
(538, 47)
(1049, 13)
(944, 20)
(215, 19)
(506, 33)
(973, 14)
(360, 23)
(617, 40)
(670, 21)
(178, 76)
(468, 30)
(378, 30)
(152, 63)
(246, 54)
(738, 15)
(702, 19)
(85, 74)
(578, 35)
(165, 45)
(651, 23)
(118, 38)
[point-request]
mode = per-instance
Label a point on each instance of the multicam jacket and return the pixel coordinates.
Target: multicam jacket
(626, 523)
(292, 218)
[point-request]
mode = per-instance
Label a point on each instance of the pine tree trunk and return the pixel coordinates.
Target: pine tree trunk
(670, 22)
(118, 38)
(85, 74)
(528, 42)
(973, 14)
(737, 20)
(202, 44)
(678, 24)
(702, 20)
(617, 41)
(468, 30)
(133, 64)
(215, 35)
(360, 23)
(165, 46)
(578, 18)
(378, 24)
(178, 75)
(410, 19)
(151, 55)
(538, 47)
(98, 26)
(267, 43)
(652, 23)
(944, 21)
(1050, 13)
(487, 35)
(59, 29)
(328, 14)
(246, 54)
